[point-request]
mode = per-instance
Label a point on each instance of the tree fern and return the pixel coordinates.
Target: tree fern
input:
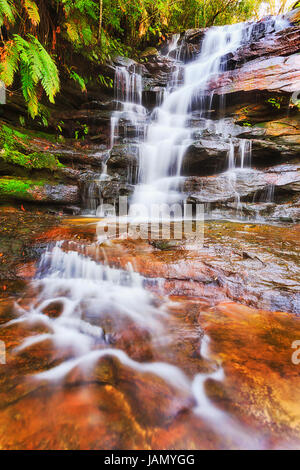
(32, 11)
(7, 11)
(29, 89)
(35, 66)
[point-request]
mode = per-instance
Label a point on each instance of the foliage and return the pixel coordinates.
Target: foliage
(35, 66)
(78, 79)
(274, 102)
(13, 187)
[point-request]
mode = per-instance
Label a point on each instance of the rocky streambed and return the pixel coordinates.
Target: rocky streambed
(226, 378)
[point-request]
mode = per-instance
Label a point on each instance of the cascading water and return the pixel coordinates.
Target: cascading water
(128, 95)
(168, 134)
(94, 303)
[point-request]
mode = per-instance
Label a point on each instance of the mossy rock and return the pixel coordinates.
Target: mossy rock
(24, 189)
(18, 188)
(15, 150)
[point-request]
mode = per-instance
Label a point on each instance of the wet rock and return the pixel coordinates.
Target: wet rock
(124, 61)
(283, 43)
(82, 156)
(111, 190)
(38, 191)
(244, 183)
(269, 150)
(99, 105)
(84, 116)
(209, 154)
(261, 212)
(108, 192)
(60, 194)
(123, 162)
(73, 210)
(205, 156)
(157, 73)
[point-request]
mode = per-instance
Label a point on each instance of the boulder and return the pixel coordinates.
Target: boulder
(205, 156)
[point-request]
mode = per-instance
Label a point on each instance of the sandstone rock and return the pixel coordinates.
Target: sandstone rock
(59, 194)
(84, 116)
(205, 156)
(276, 74)
(244, 183)
(282, 43)
(85, 157)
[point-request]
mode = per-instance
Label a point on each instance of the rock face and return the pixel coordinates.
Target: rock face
(276, 74)
(123, 162)
(246, 183)
(278, 44)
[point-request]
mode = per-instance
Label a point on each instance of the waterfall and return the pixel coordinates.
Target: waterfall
(165, 136)
(168, 135)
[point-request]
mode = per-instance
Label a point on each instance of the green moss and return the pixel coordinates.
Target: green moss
(15, 151)
(18, 188)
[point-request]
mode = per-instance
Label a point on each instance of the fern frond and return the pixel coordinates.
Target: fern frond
(78, 79)
(72, 31)
(36, 66)
(32, 11)
(7, 11)
(29, 89)
(29, 57)
(9, 63)
(48, 71)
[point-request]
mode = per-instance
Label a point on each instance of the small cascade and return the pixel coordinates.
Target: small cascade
(92, 190)
(173, 46)
(128, 86)
(85, 294)
(83, 306)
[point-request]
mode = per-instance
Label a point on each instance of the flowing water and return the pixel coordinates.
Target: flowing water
(165, 136)
(102, 323)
